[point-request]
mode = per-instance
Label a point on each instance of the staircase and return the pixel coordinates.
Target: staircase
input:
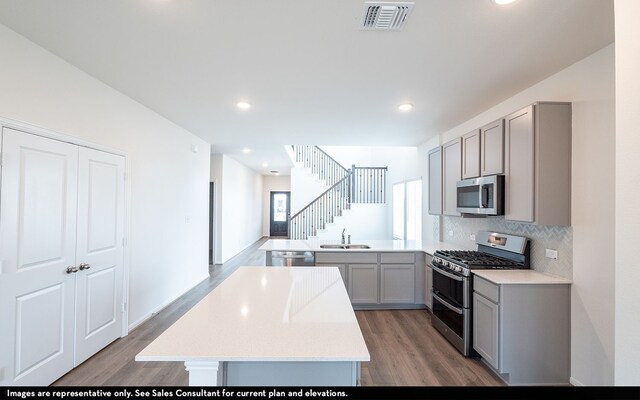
(365, 185)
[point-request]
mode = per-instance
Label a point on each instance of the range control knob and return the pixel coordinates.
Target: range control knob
(445, 263)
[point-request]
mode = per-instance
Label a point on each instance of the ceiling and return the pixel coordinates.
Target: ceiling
(311, 75)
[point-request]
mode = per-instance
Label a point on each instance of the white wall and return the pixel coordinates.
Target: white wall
(272, 183)
(241, 208)
(589, 85)
(402, 161)
(362, 222)
(216, 178)
(305, 187)
(627, 270)
(168, 183)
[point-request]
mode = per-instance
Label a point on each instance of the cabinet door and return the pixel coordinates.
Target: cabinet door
(471, 154)
(492, 144)
(428, 285)
(37, 244)
(99, 284)
(519, 161)
(435, 181)
(363, 283)
(485, 329)
(341, 267)
(452, 173)
(397, 283)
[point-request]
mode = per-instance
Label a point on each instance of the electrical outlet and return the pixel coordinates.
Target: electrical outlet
(472, 237)
(551, 253)
(451, 233)
(187, 219)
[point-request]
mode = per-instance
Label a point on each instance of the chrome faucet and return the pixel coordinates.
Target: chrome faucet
(343, 235)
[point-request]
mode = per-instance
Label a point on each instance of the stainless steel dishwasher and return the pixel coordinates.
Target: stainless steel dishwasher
(291, 258)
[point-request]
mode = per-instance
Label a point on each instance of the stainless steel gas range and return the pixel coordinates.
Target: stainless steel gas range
(453, 282)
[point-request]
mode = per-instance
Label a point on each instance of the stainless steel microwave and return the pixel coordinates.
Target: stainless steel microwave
(484, 195)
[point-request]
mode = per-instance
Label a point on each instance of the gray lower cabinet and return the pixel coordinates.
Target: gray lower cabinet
(341, 267)
(397, 283)
(428, 285)
(363, 283)
(380, 280)
(523, 331)
(485, 329)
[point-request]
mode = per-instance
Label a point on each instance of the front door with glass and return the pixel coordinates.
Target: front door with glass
(280, 203)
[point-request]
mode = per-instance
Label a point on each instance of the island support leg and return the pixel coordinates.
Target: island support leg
(202, 373)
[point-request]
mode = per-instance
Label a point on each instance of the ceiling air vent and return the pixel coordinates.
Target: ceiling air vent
(378, 15)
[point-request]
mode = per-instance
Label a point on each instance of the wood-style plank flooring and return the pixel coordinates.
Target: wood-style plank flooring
(404, 347)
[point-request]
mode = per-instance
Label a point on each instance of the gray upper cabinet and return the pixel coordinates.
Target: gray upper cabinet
(492, 148)
(435, 181)
(471, 154)
(451, 174)
(538, 164)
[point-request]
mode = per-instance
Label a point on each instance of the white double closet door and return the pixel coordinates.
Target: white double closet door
(61, 277)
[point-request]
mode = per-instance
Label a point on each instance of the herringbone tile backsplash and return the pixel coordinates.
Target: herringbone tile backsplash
(559, 238)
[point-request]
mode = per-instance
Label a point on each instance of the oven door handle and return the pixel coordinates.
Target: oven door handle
(447, 274)
(451, 307)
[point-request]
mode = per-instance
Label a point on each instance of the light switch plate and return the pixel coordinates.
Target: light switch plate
(472, 237)
(451, 233)
(551, 253)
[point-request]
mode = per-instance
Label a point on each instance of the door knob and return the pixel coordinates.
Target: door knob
(84, 266)
(71, 270)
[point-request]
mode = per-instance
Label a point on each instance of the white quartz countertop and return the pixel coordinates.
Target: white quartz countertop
(267, 314)
(519, 277)
(428, 247)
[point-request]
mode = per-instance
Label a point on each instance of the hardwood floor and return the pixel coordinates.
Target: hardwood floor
(405, 349)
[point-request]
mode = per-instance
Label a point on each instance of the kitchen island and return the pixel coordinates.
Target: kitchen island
(268, 327)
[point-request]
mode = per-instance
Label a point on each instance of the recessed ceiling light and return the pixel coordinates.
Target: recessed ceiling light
(243, 105)
(405, 107)
(275, 172)
(246, 150)
(264, 164)
(502, 2)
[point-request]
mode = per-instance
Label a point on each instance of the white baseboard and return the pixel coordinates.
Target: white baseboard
(156, 310)
(575, 382)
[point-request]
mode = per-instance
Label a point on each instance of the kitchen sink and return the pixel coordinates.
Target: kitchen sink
(357, 246)
(332, 246)
(344, 246)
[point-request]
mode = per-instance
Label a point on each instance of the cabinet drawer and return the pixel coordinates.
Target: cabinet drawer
(489, 290)
(398, 258)
(346, 258)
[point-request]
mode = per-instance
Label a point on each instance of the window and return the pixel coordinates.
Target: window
(407, 210)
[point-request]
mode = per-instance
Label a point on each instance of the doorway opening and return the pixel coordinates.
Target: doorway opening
(211, 222)
(279, 213)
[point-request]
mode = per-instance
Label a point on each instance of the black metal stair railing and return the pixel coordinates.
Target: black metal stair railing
(321, 211)
(368, 185)
(320, 163)
(364, 185)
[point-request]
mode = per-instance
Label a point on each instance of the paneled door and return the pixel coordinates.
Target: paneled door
(37, 246)
(99, 252)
